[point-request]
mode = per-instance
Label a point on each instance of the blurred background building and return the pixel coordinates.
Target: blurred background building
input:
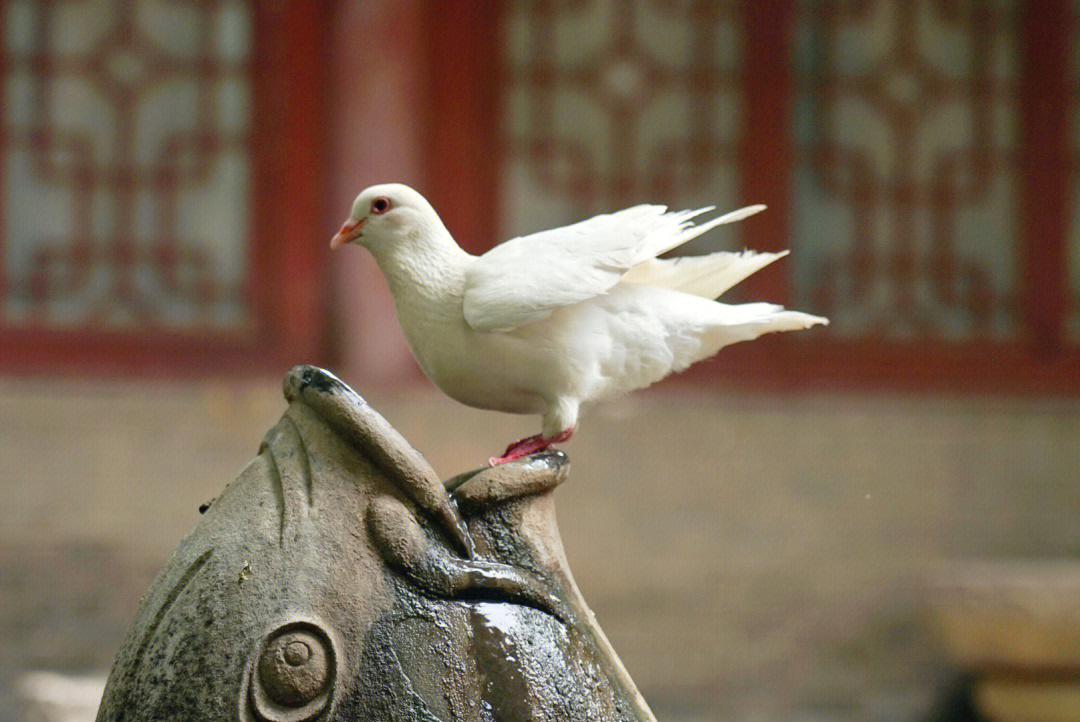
(762, 537)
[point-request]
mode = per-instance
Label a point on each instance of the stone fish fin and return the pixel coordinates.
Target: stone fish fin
(289, 468)
(363, 427)
(403, 545)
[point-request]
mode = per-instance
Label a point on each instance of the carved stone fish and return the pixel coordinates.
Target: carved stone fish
(336, 579)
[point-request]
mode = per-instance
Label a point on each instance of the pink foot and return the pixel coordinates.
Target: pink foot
(530, 445)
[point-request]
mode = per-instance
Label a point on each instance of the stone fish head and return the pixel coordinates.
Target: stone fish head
(335, 578)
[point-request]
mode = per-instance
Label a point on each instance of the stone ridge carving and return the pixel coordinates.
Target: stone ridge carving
(337, 578)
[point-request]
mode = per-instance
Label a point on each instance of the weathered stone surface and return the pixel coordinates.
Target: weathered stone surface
(336, 579)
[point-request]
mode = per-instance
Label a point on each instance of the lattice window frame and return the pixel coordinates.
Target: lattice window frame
(284, 286)
(465, 168)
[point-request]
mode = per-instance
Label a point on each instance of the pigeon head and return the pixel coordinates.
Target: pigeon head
(384, 213)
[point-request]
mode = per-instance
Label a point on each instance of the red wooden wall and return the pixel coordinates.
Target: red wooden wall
(1008, 334)
(755, 76)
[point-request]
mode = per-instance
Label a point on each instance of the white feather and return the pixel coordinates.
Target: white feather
(707, 276)
(544, 323)
(524, 279)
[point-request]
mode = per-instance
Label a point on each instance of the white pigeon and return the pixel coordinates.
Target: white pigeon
(546, 322)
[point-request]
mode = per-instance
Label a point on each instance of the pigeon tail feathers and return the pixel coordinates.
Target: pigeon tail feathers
(707, 276)
(751, 320)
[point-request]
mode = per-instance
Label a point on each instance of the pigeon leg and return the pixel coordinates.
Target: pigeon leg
(530, 445)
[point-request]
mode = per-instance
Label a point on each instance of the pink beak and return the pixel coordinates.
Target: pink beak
(347, 234)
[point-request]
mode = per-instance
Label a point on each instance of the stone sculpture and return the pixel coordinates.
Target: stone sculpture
(337, 578)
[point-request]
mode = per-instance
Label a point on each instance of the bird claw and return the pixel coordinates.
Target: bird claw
(528, 446)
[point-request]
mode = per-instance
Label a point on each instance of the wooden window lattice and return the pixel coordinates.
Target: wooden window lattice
(947, 270)
(127, 131)
(906, 184)
(613, 103)
(161, 174)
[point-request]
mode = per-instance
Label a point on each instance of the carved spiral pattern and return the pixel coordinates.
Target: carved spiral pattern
(293, 678)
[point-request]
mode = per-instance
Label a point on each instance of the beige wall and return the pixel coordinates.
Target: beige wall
(755, 556)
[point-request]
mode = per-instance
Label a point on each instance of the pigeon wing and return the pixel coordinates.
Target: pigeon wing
(708, 276)
(524, 279)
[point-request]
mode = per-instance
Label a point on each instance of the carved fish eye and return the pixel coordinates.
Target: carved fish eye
(293, 678)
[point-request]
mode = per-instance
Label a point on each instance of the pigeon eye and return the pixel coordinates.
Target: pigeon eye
(380, 205)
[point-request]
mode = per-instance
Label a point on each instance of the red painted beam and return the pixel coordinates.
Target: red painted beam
(767, 156)
(812, 361)
(302, 277)
(1046, 169)
(3, 156)
(464, 117)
